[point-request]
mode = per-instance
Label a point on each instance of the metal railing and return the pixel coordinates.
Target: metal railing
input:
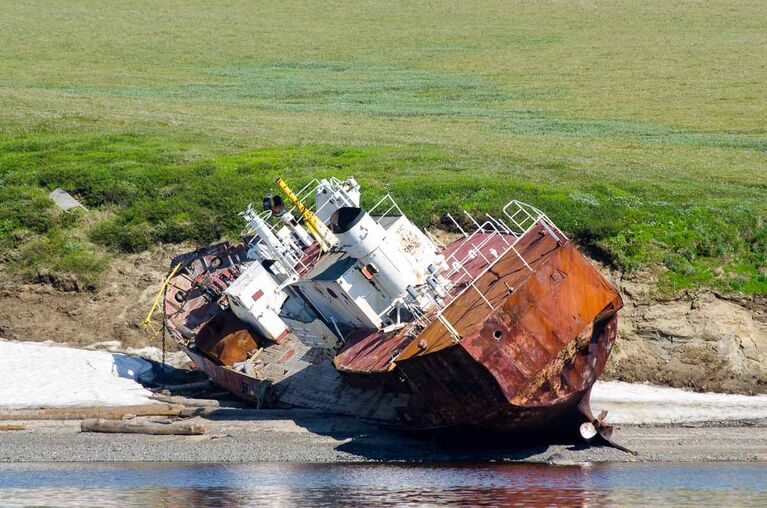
(480, 248)
(291, 261)
(392, 207)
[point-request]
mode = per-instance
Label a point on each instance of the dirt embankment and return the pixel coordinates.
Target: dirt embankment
(57, 309)
(697, 340)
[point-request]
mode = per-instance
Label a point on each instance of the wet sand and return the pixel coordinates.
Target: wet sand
(302, 436)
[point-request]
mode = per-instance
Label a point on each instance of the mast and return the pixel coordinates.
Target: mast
(325, 238)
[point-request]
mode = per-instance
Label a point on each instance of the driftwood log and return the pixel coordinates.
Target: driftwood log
(186, 401)
(250, 413)
(187, 387)
(82, 413)
(134, 427)
(12, 426)
(195, 402)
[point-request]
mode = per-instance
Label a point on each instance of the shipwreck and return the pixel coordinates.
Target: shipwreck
(328, 306)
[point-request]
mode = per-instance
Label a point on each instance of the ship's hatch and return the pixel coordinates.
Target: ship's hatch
(226, 339)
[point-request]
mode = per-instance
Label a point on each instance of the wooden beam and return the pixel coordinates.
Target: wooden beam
(194, 402)
(12, 426)
(81, 413)
(141, 427)
(196, 386)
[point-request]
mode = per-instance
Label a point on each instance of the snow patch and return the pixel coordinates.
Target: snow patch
(34, 374)
(175, 359)
(47, 374)
(640, 403)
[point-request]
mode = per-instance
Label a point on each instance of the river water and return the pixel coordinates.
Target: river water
(279, 484)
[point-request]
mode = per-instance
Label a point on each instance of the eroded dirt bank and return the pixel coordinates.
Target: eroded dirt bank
(698, 340)
(58, 310)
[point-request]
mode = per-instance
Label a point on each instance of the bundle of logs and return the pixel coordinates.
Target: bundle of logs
(137, 419)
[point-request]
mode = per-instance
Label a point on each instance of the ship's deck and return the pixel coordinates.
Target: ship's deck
(376, 352)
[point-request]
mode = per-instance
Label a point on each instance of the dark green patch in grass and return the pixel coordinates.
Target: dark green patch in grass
(536, 123)
(404, 92)
(333, 87)
(145, 193)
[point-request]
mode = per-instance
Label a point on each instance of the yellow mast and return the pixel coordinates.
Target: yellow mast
(325, 238)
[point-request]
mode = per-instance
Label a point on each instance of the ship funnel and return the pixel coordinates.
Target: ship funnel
(346, 218)
(363, 238)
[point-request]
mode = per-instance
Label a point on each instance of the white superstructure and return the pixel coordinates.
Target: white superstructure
(366, 281)
(378, 271)
(379, 255)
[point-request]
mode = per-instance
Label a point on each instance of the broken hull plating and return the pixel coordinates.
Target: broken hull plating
(527, 356)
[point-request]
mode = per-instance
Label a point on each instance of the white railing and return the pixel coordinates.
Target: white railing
(523, 216)
(480, 247)
(291, 261)
(386, 201)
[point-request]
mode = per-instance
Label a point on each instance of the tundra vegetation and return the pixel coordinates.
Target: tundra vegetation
(638, 126)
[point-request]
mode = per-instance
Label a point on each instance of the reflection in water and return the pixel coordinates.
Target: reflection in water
(381, 484)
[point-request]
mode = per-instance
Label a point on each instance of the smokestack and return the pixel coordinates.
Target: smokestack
(363, 238)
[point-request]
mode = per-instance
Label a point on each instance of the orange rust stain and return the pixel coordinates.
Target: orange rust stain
(546, 321)
(230, 349)
(469, 310)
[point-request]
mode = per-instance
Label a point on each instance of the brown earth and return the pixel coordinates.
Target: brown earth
(699, 340)
(696, 339)
(55, 308)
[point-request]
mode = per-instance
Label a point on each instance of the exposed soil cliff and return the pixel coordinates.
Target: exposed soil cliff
(58, 309)
(698, 340)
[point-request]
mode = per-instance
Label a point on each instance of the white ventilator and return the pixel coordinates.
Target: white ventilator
(364, 239)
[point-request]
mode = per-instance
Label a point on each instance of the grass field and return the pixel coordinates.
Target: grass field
(639, 126)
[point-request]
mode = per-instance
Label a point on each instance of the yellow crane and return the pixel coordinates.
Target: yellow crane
(325, 238)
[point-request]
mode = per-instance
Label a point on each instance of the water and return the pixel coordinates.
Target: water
(732, 484)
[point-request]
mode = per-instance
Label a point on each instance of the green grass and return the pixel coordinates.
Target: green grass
(637, 126)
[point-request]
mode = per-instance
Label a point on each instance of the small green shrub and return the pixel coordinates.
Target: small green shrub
(59, 252)
(123, 236)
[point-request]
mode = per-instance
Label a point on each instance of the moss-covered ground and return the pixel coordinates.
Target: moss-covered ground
(639, 127)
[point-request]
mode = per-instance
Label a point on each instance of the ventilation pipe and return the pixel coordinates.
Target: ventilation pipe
(363, 238)
(278, 250)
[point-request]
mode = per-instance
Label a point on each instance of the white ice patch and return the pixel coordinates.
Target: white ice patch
(51, 375)
(47, 375)
(639, 403)
(174, 359)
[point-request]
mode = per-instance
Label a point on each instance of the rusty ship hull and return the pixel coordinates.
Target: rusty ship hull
(524, 342)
